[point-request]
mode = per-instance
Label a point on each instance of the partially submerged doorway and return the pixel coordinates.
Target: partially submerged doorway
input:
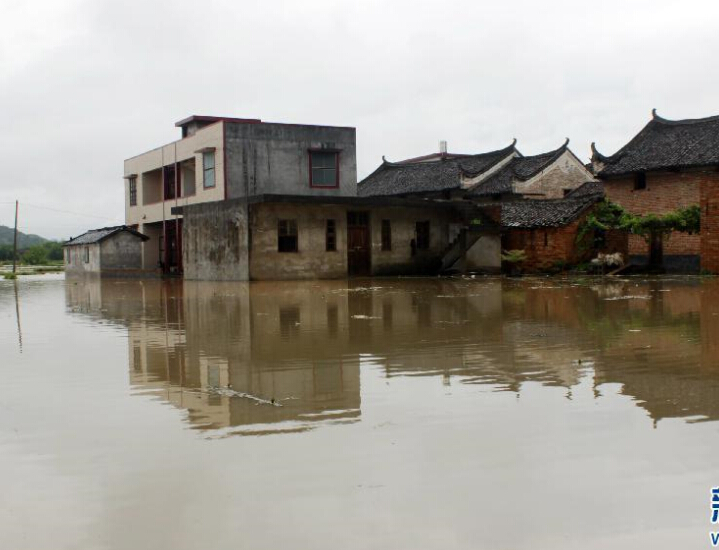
(358, 244)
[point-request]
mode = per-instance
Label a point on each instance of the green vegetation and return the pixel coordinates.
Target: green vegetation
(652, 227)
(514, 256)
(608, 215)
(45, 253)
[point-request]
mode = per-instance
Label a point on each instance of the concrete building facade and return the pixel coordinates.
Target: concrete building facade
(293, 237)
(220, 158)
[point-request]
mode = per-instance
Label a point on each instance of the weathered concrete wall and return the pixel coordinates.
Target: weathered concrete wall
(274, 158)
(75, 263)
(664, 193)
(218, 246)
(312, 260)
(485, 254)
(121, 251)
(399, 259)
(215, 242)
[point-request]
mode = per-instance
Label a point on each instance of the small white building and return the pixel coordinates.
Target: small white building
(109, 251)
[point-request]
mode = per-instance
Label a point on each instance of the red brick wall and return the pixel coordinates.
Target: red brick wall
(710, 222)
(665, 191)
(560, 246)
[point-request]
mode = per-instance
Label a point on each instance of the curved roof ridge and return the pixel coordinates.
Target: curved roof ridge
(684, 121)
(551, 157)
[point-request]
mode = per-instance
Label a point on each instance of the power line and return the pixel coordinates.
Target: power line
(64, 211)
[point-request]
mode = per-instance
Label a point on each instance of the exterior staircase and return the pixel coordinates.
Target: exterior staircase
(456, 249)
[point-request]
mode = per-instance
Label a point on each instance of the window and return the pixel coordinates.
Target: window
(331, 236)
(386, 235)
(640, 181)
(87, 254)
(324, 169)
(287, 236)
(422, 231)
(208, 169)
(132, 183)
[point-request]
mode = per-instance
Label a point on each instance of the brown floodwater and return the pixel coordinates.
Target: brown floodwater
(386, 413)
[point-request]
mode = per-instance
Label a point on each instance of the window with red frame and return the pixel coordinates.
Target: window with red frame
(324, 170)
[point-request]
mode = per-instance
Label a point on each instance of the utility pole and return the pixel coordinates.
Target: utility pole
(14, 243)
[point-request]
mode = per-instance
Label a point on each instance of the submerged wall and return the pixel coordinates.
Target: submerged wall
(222, 242)
(121, 251)
(215, 242)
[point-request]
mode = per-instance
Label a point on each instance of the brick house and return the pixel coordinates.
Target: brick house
(667, 165)
(547, 230)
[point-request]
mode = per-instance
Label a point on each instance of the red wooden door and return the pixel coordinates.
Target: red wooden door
(358, 244)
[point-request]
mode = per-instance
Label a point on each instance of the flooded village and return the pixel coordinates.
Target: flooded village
(485, 350)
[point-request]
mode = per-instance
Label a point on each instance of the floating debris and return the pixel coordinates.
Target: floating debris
(229, 392)
(633, 297)
(364, 317)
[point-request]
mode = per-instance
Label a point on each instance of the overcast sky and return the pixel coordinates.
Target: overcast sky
(86, 84)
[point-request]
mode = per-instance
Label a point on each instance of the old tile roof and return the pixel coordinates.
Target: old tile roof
(536, 213)
(664, 144)
(519, 168)
(424, 177)
(97, 235)
(587, 189)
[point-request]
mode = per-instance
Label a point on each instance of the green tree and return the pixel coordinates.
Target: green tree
(35, 255)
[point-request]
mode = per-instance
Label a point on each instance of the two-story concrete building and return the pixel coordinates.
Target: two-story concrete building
(222, 158)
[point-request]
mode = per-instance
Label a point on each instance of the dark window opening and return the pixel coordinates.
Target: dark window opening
(208, 169)
(386, 235)
(287, 236)
(331, 236)
(170, 184)
(640, 181)
(324, 169)
(87, 254)
(422, 232)
(132, 182)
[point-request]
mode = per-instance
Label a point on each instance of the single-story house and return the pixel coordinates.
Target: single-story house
(109, 251)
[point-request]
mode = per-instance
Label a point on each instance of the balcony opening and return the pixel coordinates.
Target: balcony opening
(152, 186)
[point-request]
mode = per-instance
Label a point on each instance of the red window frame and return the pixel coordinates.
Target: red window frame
(336, 153)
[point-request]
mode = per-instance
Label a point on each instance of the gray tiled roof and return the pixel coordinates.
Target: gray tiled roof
(588, 189)
(664, 144)
(97, 235)
(425, 177)
(519, 168)
(535, 213)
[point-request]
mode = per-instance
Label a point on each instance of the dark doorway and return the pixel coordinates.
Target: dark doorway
(358, 244)
(173, 247)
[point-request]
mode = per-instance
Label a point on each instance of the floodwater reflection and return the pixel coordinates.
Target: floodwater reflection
(267, 357)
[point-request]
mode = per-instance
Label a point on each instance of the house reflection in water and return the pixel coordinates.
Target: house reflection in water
(301, 343)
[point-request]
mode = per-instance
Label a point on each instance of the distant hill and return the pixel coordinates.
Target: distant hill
(23, 240)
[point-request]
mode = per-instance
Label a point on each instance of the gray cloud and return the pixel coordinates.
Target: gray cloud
(86, 84)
